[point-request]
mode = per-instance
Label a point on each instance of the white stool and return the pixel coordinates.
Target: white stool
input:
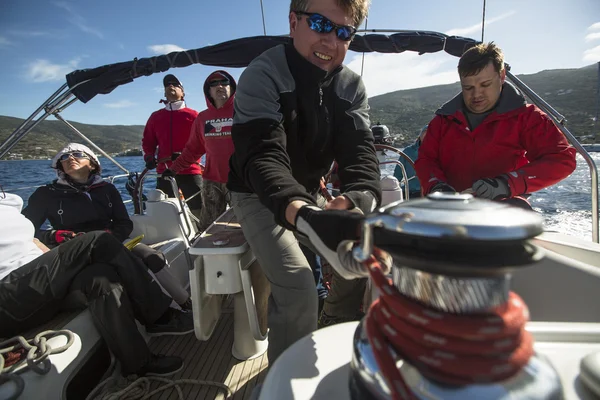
(225, 265)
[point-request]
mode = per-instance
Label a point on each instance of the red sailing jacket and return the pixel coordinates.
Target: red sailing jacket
(211, 135)
(169, 130)
(516, 139)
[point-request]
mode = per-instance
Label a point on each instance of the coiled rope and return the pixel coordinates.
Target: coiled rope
(448, 348)
(38, 351)
(139, 389)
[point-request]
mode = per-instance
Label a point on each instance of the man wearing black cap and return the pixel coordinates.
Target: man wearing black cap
(166, 133)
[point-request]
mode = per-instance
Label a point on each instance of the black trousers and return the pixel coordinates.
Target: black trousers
(189, 185)
(93, 270)
(153, 259)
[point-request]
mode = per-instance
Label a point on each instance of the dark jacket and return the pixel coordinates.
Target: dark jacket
(67, 208)
(291, 121)
(516, 139)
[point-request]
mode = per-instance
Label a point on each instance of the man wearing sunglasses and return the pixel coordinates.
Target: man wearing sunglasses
(297, 108)
(165, 135)
(211, 135)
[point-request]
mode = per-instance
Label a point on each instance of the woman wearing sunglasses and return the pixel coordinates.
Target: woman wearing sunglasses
(80, 201)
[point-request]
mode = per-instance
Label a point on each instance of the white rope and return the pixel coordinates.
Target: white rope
(138, 388)
(38, 351)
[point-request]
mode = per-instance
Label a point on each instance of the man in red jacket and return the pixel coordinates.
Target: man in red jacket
(167, 131)
(487, 139)
(211, 135)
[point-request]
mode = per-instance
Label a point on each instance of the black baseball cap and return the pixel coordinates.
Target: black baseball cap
(171, 79)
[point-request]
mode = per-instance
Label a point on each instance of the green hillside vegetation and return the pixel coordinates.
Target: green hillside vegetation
(50, 136)
(571, 92)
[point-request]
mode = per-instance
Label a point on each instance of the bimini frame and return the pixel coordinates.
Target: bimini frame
(83, 85)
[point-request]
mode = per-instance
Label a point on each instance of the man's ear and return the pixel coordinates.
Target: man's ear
(503, 75)
(293, 22)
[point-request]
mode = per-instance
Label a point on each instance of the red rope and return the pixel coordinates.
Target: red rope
(448, 348)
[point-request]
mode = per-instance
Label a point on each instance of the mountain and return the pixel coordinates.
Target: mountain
(50, 136)
(572, 92)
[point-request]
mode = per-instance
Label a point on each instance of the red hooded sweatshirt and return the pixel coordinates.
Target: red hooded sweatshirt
(211, 135)
(169, 130)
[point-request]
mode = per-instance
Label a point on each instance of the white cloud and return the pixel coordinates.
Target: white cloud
(164, 48)
(592, 55)
(120, 104)
(5, 42)
(477, 27)
(44, 71)
(385, 73)
(592, 36)
(78, 20)
(594, 27)
(21, 33)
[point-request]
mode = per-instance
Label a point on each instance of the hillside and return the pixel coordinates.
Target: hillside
(572, 92)
(50, 136)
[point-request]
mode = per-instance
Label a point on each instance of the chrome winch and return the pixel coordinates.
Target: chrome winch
(453, 256)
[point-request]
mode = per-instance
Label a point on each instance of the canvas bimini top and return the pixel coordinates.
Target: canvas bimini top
(87, 83)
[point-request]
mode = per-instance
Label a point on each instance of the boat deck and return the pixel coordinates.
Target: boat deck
(211, 361)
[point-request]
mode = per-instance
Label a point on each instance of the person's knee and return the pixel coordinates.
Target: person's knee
(96, 280)
(106, 242)
(155, 261)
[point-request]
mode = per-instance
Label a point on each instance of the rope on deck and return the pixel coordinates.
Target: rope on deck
(38, 351)
(139, 389)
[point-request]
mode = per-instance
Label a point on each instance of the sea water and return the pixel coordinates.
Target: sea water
(566, 206)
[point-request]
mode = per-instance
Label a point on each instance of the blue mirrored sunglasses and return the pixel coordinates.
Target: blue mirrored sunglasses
(75, 154)
(322, 24)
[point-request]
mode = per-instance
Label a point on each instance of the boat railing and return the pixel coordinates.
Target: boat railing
(57, 102)
(560, 122)
(405, 177)
(110, 179)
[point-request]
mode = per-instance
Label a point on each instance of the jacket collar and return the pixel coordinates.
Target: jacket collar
(174, 106)
(304, 72)
(510, 100)
(64, 183)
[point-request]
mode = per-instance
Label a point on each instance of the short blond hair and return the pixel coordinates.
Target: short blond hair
(478, 57)
(357, 9)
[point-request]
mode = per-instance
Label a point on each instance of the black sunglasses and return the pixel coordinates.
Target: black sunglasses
(175, 84)
(75, 154)
(222, 82)
(322, 24)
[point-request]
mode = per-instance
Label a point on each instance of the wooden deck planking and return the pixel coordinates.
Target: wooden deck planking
(218, 370)
(220, 347)
(211, 361)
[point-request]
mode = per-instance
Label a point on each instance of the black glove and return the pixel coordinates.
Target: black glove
(333, 233)
(491, 188)
(150, 162)
(442, 187)
(167, 172)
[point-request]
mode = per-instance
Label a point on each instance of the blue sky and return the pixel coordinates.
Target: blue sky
(41, 41)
